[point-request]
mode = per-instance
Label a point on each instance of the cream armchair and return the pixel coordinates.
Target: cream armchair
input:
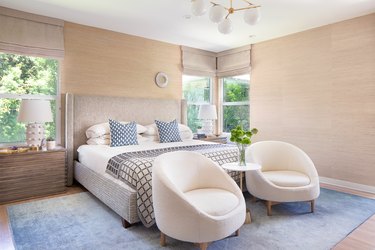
(194, 199)
(287, 174)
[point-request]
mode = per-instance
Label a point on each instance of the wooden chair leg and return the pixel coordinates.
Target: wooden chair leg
(125, 223)
(269, 208)
(312, 205)
(203, 246)
(162, 239)
(237, 233)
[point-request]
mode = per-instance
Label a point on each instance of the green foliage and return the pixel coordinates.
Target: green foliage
(241, 136)
(27, 76)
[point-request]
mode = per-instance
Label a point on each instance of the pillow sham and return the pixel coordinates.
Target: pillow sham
(151, 129)
(168, 131)
(101, 129)
(123, 134)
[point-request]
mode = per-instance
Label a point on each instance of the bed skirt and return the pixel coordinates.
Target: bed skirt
(120, 199)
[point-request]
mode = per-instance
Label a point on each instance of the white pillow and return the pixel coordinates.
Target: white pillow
(152, 132)
(98, 130)
(105, 140)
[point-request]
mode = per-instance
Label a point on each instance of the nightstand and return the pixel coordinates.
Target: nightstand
(218, 139)
(33, 173)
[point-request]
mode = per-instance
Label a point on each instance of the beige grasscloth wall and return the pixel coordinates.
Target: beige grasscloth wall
(316, 89)
(102, 62)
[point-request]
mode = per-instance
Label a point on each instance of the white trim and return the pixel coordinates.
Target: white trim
(347, 184)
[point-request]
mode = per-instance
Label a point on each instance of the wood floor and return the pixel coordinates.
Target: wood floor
(361, 238)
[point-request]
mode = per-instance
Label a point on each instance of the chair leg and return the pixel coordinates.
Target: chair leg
(269, 208)
(312, 205)
(203, 246)
(162, 239)
(237, 233)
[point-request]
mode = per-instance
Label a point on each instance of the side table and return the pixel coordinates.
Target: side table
(248, 167)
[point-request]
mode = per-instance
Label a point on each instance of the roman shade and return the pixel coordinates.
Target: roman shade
(25, 33)
(233, 62)
(198, 62)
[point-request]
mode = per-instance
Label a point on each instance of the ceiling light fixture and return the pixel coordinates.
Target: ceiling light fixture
(220, 14)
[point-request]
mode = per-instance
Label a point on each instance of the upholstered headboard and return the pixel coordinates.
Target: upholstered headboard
(83, 111)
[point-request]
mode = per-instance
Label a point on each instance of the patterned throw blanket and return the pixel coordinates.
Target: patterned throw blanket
(135, 169)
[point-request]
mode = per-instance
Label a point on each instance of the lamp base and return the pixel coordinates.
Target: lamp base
(207, 127)
(34, 134)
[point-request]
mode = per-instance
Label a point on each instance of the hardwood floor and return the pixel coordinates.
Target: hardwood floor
(361, 238)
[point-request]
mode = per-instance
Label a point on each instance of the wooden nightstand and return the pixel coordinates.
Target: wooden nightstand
(218, 139)
(33, 173)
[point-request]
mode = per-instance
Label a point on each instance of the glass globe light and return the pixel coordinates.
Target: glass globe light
(198, 7)
(217, 13)
(251, 16)
(225, 26)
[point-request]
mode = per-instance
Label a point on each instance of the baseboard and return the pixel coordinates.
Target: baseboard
(347, 184)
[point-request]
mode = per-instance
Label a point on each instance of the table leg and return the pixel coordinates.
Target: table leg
(248, 216)
(241, 180)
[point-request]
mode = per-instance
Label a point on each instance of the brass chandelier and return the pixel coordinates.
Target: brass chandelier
(220, 14)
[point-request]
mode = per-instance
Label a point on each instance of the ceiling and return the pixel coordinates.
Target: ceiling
(168, 20)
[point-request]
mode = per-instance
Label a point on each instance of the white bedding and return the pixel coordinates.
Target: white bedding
(96, 157)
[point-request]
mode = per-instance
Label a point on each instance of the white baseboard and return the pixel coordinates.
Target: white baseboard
(347, 184)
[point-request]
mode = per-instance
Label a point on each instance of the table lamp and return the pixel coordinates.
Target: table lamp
(35, 113)
(207, 113)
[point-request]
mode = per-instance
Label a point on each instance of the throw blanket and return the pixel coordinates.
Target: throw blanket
(135, 169)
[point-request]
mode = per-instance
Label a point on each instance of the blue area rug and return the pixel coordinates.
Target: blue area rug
(80, 221)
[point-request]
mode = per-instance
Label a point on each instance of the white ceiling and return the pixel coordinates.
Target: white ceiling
(164, 20)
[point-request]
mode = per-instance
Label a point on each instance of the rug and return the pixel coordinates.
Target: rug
(80, 221)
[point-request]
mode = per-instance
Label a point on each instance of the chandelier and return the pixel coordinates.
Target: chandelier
(220, 14)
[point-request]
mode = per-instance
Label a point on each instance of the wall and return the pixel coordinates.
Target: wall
(316, 89)
(102, 62)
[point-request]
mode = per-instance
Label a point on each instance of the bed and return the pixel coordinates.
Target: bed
(88, 163)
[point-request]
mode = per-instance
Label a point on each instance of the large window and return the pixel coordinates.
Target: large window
(25, 77)
(235, 101)
(196, 91)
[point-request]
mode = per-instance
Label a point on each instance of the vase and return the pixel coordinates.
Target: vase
(241, 154)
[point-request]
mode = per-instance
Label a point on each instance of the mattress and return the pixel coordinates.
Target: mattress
(96, 157)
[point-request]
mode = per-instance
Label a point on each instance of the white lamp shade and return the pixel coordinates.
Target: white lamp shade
(207, 112)
(198, 7)
(225, 26)
(251, 16)
(217, 13)
(38, 111)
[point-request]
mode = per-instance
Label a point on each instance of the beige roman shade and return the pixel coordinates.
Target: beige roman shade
(25, 33)
(233, 62)
(198, 62)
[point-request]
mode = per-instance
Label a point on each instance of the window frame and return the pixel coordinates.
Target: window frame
(56, 97)
(222, 103)
(211, 84)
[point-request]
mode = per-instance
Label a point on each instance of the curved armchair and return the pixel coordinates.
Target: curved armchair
(194, 199)
(287, 174)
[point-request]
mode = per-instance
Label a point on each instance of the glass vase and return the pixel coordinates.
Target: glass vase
(241, 154)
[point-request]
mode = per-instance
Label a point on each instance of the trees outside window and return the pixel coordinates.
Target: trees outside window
(25, 77)
(235, 101)
(196, 90)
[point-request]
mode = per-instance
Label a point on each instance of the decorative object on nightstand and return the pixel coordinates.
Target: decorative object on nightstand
(35, 113)
(51, 143)
(218, 139)
(207, 113)
(242, 138)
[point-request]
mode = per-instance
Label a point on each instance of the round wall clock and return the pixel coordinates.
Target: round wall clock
(161, 79)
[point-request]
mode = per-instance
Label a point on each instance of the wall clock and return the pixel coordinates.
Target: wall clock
(161, 79)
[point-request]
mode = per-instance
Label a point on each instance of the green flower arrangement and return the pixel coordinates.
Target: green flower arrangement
(242, 138)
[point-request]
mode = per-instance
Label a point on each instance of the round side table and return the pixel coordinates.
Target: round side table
(248, 167)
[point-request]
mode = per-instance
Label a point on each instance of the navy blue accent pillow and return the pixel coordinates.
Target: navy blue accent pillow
(123, 134)
(168, 131)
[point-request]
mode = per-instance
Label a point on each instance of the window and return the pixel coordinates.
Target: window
(25, 77)
(196, 91)
(235, 101)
